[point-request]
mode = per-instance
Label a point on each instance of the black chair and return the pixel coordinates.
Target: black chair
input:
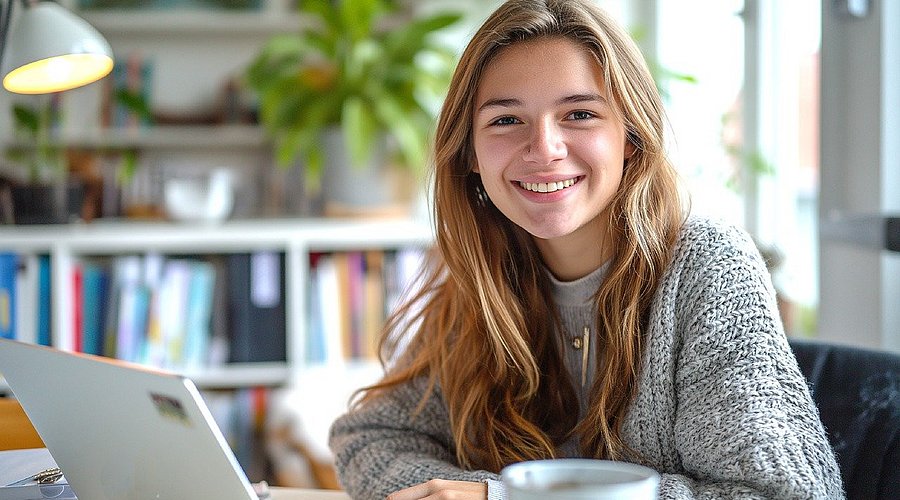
(857, 392)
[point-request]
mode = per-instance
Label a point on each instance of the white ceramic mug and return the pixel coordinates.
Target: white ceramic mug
(579, 479)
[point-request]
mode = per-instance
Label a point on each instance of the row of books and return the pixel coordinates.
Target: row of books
(350, 296)
(188, 313)
(180, 313)
(148, 309)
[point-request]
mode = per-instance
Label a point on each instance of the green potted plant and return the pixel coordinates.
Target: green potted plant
(46, 191)
(43, 193)
(359, 74)
(43, 161)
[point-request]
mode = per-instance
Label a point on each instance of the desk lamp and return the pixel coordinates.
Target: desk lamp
(49, 49)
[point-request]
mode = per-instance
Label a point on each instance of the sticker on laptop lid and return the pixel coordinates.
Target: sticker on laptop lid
(170, 408)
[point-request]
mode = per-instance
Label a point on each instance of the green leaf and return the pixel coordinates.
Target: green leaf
(279, 109)
(359, 129)
(358, 17)
(290, 144)
(324, 44)
(320, 8)
(758, 164)
(134, 102)
(280, 46)
(128, 167)
(26, 119)
(302, 134)
(407, 41)
(410, 139)
(363, 58)
(315, 163)
(279, 60)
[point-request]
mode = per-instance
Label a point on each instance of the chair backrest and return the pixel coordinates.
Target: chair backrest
(857, 392)
(16, 431)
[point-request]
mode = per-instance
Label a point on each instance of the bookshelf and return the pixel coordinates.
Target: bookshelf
(241, 395)
(295, 239)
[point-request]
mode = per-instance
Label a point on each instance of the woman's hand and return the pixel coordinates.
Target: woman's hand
(441, 489)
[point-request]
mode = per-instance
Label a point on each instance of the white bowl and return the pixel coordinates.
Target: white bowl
(200, 200)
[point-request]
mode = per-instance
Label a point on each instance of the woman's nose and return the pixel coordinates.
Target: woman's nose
(545, 145)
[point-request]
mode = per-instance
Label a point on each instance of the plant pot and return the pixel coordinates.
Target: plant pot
(47, 204)
(359, 190)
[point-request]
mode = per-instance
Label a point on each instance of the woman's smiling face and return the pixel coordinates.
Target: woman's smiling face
(550, 146)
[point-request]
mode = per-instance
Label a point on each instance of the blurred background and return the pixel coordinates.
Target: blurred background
(222, 134)
(752, 111)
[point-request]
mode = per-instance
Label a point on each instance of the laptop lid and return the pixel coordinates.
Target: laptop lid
(122, 431)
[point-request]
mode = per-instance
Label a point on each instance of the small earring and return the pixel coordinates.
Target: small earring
(480, 195)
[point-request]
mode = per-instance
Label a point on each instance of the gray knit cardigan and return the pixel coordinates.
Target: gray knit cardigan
(722, 410)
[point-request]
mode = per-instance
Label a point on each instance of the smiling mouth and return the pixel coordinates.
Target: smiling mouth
(548, 187)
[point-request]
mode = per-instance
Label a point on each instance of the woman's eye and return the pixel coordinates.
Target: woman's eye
(580, 115)
(505, 120)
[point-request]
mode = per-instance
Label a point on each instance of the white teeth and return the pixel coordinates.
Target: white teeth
(547, 187)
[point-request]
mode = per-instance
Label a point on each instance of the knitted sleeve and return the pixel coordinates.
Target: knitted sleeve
(385, 446)
(745, 425)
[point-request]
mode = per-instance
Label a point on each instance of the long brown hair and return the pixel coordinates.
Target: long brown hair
(478, 329)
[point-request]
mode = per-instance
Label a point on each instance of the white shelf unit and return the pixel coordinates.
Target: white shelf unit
(193, 22)
(230, 137)
(296, 238)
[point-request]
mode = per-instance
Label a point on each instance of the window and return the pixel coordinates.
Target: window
(745, 127)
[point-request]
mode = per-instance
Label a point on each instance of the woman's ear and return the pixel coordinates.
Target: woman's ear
(629, 149)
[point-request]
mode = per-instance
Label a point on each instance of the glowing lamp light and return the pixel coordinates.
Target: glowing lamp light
(50, 49)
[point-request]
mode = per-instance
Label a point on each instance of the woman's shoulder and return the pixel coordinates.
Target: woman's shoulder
(715, 269)
(713, 245)
(704, 235)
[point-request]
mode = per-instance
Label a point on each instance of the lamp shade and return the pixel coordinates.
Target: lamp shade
(50, 49)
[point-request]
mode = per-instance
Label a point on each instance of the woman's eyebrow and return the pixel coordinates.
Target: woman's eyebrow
(576, 98)
(570, 99)
(500, 103)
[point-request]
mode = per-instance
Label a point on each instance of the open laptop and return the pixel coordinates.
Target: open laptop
(121, 431)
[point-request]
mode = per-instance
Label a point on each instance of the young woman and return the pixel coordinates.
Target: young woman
(572, 309)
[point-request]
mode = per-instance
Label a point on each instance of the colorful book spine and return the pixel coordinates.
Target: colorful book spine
(9, 263)
(77, 307)
(44, 323)
(200, 300)
(95, 289)
(373, 303)
(27, 299)
(329, 310)
(133, 304)
(315, 329)
(256, 308)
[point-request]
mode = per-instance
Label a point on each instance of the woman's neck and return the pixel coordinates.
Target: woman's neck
(577, 254)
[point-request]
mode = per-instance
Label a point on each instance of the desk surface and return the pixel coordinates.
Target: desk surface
(16, 464)
(303, 494)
